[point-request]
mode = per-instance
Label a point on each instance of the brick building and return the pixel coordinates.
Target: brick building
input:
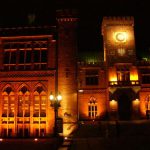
(37, 61)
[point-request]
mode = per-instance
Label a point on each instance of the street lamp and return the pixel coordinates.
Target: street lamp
(55, 103)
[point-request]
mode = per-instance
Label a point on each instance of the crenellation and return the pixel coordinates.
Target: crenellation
(120, 20)
(67, 15)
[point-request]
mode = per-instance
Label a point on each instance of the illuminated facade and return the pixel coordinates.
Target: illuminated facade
(35, 61)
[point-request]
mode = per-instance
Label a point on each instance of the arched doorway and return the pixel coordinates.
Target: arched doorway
(124, 106)
(124, 96)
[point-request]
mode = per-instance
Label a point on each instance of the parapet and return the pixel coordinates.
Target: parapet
(118, 20)
(67, 15)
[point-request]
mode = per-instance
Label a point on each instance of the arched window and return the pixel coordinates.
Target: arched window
(8, 103)
(24, 102)
(92, 108)
(39, 102)
(147, 103)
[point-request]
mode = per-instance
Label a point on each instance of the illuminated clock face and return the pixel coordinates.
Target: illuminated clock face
(120, 36)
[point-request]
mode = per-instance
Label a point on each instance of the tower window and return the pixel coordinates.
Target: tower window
(92, 77)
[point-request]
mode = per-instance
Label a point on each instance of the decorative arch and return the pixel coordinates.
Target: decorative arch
(40, 85)
(125, 98)
(24, 85)
(7, 87)
(39, 101)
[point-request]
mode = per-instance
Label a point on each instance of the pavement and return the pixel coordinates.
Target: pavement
(102, 135)
(112, 135)
(29, 144)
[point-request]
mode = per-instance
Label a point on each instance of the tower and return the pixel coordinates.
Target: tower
(120, 59)
(119, 42)
(67, 82)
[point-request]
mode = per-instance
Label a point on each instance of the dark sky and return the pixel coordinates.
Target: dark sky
(91, 12)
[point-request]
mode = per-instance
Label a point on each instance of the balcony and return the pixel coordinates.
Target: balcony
(124, 83)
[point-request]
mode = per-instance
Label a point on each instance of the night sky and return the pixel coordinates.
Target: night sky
(91, 12)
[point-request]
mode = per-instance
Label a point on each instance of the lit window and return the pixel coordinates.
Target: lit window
(8, 103)
(92, 108)
(123, 74)
(40, 102)
(24, 102)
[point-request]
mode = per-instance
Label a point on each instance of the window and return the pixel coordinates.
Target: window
(25, 55)
(92, 108)
(8, 103)
(40, 55)
(92, 77)
(123, 74)
(9, 59)
(24, 102)
(40, 102)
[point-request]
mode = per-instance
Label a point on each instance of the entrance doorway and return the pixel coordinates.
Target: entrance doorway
(124, 108)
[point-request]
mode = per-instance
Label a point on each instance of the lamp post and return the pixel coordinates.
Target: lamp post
(55, 103)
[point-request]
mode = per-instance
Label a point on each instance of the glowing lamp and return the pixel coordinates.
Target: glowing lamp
(1, 139)
(35, 139)
(65, 137)
(55, 103)
(51, 97)
(136, 103)
(59, 97)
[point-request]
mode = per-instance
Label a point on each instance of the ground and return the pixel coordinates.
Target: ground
(114, 135)
(29, 144)
(102, 135)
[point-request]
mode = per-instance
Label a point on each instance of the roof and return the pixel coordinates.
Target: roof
(28, 30)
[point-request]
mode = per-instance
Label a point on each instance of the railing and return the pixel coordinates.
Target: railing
(124, 83)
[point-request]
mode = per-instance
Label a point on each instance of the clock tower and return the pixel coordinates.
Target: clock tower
(119, 42)
(120, 59)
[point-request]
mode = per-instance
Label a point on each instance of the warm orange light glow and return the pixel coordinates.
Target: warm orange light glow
(120, 36)
(112, 75)
(51, 97)
(59, 97)
(136, 103)
(113, 78)
(68, 129)
(66, 138)
(134, 77)
(80, 91)
(1, 139)
(133, 74)
(35, 139)
(113, 105)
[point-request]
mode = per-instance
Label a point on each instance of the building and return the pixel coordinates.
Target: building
(37, 61)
